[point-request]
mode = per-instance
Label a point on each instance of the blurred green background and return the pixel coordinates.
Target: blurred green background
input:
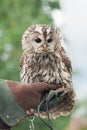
(15, 17)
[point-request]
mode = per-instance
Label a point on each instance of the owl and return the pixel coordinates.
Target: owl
(45, 60)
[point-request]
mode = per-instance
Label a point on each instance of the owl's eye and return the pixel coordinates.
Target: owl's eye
(38, 40)
(49, 40)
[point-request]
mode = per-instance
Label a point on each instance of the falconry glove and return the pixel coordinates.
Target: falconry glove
(19, 100)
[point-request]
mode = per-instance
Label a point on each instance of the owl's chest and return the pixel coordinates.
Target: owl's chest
(44, 68)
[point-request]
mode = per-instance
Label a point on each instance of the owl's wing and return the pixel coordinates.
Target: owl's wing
(22, 67)
(21, 62)
(66, 60)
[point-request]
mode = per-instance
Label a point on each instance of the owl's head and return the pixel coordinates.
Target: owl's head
(41, 39)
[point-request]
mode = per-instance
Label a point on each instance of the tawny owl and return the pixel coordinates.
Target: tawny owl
(45, 60)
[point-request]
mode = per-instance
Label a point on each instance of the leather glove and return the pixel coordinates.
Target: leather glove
(18, 100)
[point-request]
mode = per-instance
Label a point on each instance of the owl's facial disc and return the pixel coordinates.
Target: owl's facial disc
(43, 45)
(43, 39)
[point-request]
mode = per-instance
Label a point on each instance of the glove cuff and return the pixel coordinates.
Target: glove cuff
(10, 111)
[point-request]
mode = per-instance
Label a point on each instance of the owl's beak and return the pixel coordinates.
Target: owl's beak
(45, 47)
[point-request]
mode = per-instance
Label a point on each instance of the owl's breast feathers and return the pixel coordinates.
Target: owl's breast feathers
(46, 67)
(50, 68)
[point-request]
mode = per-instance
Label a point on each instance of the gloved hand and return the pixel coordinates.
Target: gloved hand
(29, 95)
(18, 100)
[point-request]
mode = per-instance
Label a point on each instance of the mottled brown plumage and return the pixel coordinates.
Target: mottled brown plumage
(45, 60)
